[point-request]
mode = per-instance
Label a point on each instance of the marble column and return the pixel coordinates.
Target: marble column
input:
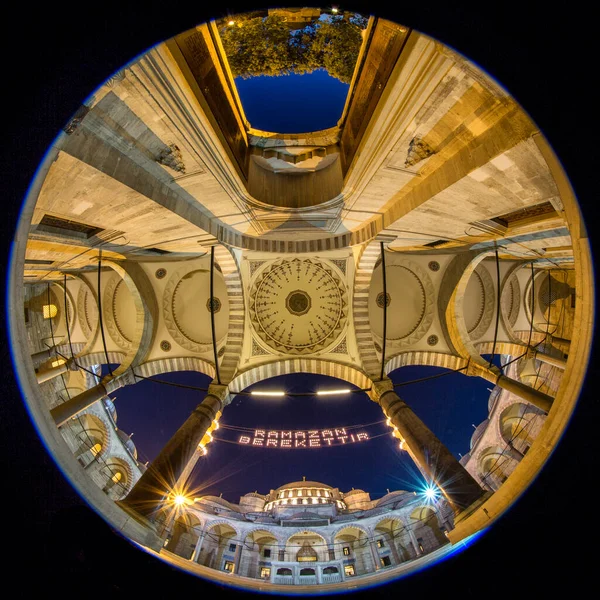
(431, 456)
(493, 375)
(237, 557)
(390, 540)
(47, 372)
(413, 540)
(198, 548)
(561, 363)
(159, 480)
(43, 355)
(72, 407)
(375, 554)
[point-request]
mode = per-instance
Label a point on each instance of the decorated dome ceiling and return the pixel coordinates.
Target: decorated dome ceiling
(298, 306)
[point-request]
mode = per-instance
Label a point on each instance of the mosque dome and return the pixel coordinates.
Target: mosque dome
(127, 442)
(303, 484)
(391, 498)
(478, 432)
(109, 405)
(353, 492)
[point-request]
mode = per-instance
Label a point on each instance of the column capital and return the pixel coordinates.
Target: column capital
(127, 378)
(475, 369)
(220, 391)
(531, 353)
(379, 388)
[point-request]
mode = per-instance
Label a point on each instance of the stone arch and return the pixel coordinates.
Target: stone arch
(88, 435)
(350, 545)
(254, 549)
(214, 544)
(87, 302)
(281, 539)
(511, 299)
(394, 532)
(225, 257)
(424, 358)
(146, 309)
(184, 534)
(517, 425)
(494, 465)
(99, 358)
(300, 365)
(175, 364)
(118, 477)
(367, 260)
(64, 311)
(293, 547)
(426, 527)
(451, 304)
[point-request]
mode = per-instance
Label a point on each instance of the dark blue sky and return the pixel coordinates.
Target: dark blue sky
(293, 103)
(449, 406)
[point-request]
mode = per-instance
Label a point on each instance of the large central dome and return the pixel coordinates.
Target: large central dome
(298, 306)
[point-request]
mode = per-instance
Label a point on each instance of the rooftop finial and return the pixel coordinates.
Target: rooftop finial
(303, 478)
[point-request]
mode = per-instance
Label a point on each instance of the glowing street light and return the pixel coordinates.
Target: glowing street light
(180, 500)
(334, 9)
(431, 493)
(231, 23)
(257, 393)
(332, 392)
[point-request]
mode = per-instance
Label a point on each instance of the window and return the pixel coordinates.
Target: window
(299, 492)
(228, 566)
(117, 477)
(346, 550)
(49, 311)
(267, 553)
(55, 225)
(284, 571)
(380, 543)
(385, 561)
(420, 543)
(309, 492)
(265, 573)
(231, 547)
(330, 570)
(349, 570)
(95, 449)
(307, 571)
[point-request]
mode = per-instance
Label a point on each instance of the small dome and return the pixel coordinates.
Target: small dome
(351, 492)
(127, 442)
(109, 405)
(254, 495)
(220, 501)
(390, 498)
(479, 431)
(493, 396)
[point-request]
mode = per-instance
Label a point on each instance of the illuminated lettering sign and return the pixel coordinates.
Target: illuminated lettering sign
(313, 438)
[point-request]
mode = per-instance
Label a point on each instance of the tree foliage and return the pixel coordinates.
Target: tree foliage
(266, 46)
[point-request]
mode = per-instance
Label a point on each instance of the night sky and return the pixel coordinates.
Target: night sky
(449, 406)
(293, 103)
(56, 56)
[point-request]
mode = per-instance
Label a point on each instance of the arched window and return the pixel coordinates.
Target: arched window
(307, 571)
(284, 571)
(330, 570)
(49, 311)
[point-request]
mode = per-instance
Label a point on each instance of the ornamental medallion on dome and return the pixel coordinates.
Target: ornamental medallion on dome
(298, 306)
